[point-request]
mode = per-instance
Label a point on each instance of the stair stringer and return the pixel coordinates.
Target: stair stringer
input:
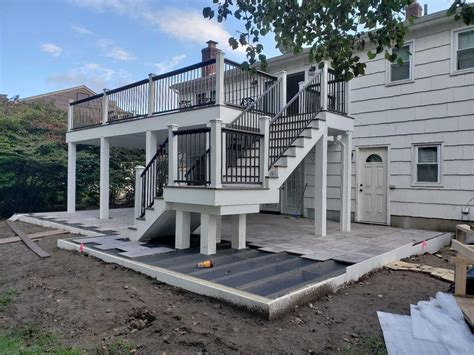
(158, 222)
(294, 155)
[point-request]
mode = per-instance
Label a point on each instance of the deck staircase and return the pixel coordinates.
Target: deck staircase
(285, 140)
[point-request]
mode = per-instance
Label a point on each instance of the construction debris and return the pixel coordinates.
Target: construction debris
(205, 264)
(438, 272)
(33, 236)
(28, 242)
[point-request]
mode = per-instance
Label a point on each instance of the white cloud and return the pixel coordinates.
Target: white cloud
(111, 50)
(81, 30)
(52, 49)
(170, 64)
(181, 23)
(93, 75)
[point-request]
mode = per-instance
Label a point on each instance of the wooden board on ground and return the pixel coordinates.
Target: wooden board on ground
(467, 307)
(438, 272)
(28, 242)
(33, 236)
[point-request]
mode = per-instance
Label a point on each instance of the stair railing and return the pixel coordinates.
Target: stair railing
(294, 117)
(154, 178)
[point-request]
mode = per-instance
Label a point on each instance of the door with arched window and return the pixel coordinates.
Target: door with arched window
(372, 185)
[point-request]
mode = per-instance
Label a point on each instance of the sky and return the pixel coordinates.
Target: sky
(48, 45)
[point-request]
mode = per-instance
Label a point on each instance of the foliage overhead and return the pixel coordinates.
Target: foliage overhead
(332, 30)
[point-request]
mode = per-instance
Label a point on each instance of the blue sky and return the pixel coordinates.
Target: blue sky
(48, 45)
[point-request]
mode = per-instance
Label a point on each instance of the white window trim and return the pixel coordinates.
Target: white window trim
(454, 52)
(414, 164)
(388, 67)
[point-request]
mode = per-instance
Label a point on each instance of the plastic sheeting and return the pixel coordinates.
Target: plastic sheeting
(434, 327)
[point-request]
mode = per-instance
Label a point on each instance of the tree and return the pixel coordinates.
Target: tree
(335, 30)
(33, 162)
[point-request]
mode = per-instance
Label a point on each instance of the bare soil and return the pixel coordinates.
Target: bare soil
(93, 306)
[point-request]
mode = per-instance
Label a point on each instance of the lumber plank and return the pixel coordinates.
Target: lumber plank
(464, 249)
(28, 242)
(33, 236)
(438, 272)
(467, 307)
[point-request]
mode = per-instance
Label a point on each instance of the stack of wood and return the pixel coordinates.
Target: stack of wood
(463, 261)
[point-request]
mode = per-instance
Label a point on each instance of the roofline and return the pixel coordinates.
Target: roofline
(421, 22)
(58, 92)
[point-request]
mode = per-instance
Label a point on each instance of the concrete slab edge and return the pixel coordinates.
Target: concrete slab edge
(248, 301)
(54, 225)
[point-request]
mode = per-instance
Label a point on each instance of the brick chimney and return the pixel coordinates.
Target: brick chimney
(209, 52)
(414, 9)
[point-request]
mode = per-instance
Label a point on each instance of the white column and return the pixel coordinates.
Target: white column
(71, 177)
(283, 97)
(218, 229)
(239, 231)
(324, 86)
(70, 116)
(151, 94)
(264, 123)
(220, 78)
(301, 99)
(138, 190)
(183, 230)
(346, 154)
(172, 155)
(105, 107)
(208, 233)
(151, 145)
(320, 183)
(216, 153)
(104, 178)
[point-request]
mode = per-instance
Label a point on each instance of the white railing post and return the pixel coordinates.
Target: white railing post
(105, 107)
(172, 154)
(70, 116)
(151, 94)
(216, 153)
(220, 78)
(283, 97)
(264, 124)
(138, 190)
(324, 87)
(301, 97)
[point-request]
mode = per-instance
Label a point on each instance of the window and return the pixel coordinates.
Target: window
(427, 168)
(374, 158)
(465, 50)
(402, 72)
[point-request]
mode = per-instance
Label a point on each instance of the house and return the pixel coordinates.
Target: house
(413, 140)
(61, 98)
(394, 147)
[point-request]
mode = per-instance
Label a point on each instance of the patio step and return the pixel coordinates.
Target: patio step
(313, 272)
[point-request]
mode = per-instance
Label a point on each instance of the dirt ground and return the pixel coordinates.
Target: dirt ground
(102, 308)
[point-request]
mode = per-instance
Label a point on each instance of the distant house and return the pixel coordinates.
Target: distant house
(61, 98)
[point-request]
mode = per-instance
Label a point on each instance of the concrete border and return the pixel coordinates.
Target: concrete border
(269, 308)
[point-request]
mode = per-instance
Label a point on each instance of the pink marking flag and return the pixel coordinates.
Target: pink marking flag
(423, 246)
(81, 248)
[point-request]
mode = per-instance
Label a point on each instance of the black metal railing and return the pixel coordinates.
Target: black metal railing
(191, 87)
(128, 102)
(154, 178)
(288, 124)
(268, 104)
(241, 157)
(194, 158)
(336, 93)
(241, 86)
(87, 112)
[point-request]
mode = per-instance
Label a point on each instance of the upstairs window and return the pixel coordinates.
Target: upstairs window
(427, 167)
(465, 50)
(402, 72)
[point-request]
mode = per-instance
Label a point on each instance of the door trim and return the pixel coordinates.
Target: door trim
(358, 174)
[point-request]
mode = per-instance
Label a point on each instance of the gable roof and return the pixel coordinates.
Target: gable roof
(84, 87)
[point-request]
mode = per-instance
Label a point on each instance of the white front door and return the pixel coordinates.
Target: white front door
(292, 192)
(372, 185)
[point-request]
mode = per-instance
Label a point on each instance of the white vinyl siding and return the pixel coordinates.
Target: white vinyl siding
(465, 50)
(427, 164)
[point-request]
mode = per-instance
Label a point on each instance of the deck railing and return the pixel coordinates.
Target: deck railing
(337, 91)
(87, 112)
(127, 102)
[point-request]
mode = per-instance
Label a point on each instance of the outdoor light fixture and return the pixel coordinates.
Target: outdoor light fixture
(312, 70)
